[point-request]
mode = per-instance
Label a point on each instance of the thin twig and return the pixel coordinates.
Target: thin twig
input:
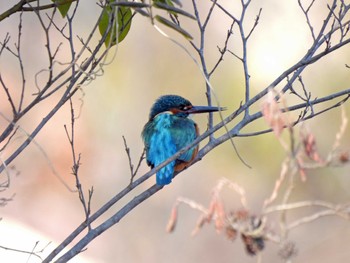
(76, 165)
(131, 166)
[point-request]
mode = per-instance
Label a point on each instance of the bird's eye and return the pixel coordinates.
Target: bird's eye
(185, 108)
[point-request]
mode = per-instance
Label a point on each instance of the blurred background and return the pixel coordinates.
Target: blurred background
(147, 65)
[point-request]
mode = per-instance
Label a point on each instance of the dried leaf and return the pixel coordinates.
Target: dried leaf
(273, 115)
(231, 233)
(211, 210)
(172, 220)
(301, 169)
(241, 215)
(310, 148)
(200, 223)
(278, 184)
(220, 215)
(253, 245)
(344, 157)
(287, 251)
(342, 129)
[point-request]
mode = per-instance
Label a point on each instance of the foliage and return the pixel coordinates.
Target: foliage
(122, 26)
(63, 6)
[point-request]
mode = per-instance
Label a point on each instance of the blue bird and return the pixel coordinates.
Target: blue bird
(169, 130)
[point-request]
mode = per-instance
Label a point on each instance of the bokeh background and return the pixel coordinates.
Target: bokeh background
(147, 65)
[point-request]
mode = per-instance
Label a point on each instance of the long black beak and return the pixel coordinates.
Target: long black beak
(202, 109)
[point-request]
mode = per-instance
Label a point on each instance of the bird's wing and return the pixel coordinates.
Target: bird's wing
(158, 138)
(147, 131)
(184, 132)
(160, 146)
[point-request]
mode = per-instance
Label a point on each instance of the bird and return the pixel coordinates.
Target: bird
(168, 130)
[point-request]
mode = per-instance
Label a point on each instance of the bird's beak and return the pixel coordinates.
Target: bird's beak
(202, 109)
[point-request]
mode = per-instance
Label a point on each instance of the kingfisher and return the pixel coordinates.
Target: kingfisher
(168, 130)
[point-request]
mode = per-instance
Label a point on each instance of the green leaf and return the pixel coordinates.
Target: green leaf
(176, 2)
(170, 24)
(63, 6)
(130, 4)
(136, 6)
(166, 2)
(172, 9)
(124, 23)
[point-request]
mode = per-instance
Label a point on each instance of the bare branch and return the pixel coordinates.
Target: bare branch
(223, 50)
(306, 13)
(76, 165)
(131, 166)
(20, 7)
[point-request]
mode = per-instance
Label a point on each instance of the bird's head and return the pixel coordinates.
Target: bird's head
(178, 106)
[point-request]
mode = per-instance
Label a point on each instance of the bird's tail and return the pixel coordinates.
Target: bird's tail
(165, 175)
